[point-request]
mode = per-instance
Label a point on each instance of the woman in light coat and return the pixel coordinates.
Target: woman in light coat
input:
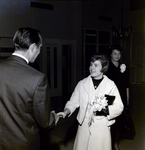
(99, 104)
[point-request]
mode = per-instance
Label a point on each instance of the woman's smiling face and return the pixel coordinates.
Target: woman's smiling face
(116, 55)
(95, 69)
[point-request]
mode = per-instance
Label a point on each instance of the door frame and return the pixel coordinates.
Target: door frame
(43, 62)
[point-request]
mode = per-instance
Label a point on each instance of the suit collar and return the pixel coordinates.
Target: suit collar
(19, 55)
(18, 59)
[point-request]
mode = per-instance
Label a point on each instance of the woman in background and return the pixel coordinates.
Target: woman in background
(119, 73)
(99, 103)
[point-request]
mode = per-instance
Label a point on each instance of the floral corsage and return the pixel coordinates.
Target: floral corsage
(98, 107)
(122, 68)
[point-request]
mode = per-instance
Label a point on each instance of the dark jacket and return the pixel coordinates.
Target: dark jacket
(24, 105)
(121, 80)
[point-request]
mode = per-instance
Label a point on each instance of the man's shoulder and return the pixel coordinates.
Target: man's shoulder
(34, 71)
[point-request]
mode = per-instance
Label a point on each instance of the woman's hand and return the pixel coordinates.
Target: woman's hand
(61, 114)
(64, 114)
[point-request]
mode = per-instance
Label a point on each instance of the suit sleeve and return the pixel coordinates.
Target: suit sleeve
(41, 104)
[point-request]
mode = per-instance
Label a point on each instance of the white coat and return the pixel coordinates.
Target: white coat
(85, 90)
(82, 95)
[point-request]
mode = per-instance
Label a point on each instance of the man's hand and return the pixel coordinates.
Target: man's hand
(55, 116)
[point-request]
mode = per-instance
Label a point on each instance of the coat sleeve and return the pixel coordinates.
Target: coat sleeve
(41, 104)
(74, 101)
(117, 107)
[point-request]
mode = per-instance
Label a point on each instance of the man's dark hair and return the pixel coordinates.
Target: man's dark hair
(24, 37)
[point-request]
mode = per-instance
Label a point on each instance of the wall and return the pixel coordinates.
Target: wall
(137, 4)
(103, 15)
(137, 21)
(109, 10)
(63, 22)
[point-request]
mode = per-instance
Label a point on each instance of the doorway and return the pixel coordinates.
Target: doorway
(58, 63)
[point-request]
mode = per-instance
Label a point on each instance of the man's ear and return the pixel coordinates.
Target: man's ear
(32, 47)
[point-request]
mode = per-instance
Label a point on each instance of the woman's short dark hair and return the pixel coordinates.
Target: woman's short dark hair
(115, 47)
(104, 62)
(24, 37)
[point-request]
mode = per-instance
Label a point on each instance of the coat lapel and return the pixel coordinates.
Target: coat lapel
(104, 87)
(89, 87)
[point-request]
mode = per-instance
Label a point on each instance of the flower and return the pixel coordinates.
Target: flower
(122, 68)
(97, 104)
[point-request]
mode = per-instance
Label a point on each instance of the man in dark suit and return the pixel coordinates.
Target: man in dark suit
(24, 97)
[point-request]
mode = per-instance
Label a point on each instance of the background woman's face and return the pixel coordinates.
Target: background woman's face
(116, 55)
(95, 69)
